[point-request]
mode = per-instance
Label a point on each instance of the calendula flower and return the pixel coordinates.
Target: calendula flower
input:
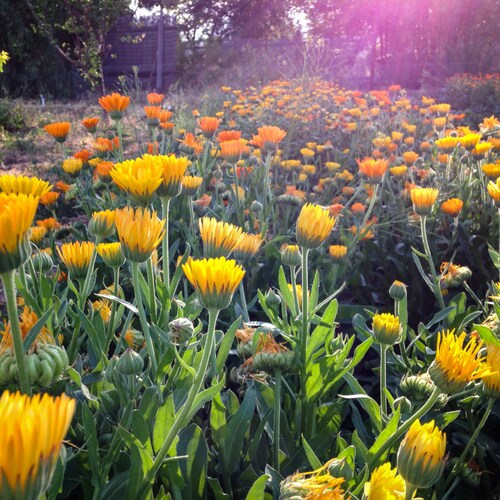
(152, 115)
(456, 365)
(423, 200)
(385, 484)
(91, 124)
(491, 170)
(337, 253)
(30, 441)
(172, 173)
(447, 144)
(215, 280)
(111, 253)
(229, 135)
(76, 257)
(102, 224)
(190, 184)
(37, 234)
(247, 246)
(140, 232)
(208, 126)
(140, 178)
(20, 184)
(155, 99)
(17, 212)
(469, 141)
(410, 157)
(219, 238)
(103, 171)
(49, 223)
(59, 130)
(314, 485)
(491, 383)
(72, 166)
(373, 169)
(114, 104)
(452, 207)
(481, 149)
(494, 191)
(421, 454)
(386, 328)
(49, 200)
(271, 356)
(190, 144)
(398, 171)
(232, 151)
(314, 225)
(268, 138)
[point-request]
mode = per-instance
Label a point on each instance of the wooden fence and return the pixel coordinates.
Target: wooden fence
(143, 46)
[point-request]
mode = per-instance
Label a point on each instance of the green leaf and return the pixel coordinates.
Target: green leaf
(179, 272)
(205, 396)
(217, 490)
(314, 461)
(164, 420)
(35, 330)
(192, 444)
(324, 328)
(286, 293)
(444, 419)
(113, 298)
(487, 335)
(313, 298)
(258, 488)
(90, 431)
(382, 438)
(218, 422)
(141, 431)
(440, 316)
(226, 344)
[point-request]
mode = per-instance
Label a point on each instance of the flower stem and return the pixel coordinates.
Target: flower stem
(401, 430)
(181, 417)
(383, 382)
(244, 306)
(9, 287)
(427, 250)
(410, 491)
(111, 324)
(294, 287)
(304, 333)
(277, 414)
(142, 315)
(165, 205)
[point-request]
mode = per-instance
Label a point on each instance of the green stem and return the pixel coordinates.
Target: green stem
(186, 408)
(410, 491)
(118, 124)
(9, 288)
(430, 261)
(246, 317)
(111, 324)
(85, 292)
(383, 382)
(304, 333)
(74, 341)
(294, 287)
(151, 286)
(142, 316)
(277, 415)
(165, 205)
(401, 430)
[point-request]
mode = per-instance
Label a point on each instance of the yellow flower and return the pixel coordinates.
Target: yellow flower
(399, 170)
(492, 170)
(72, 166)
(494, 191)
(307, 153)
(247, 246)
(337, 253)
(20, 184)
(491, 382)
(32, 433)
(314, 485)
(386, 328)
(421, 454)
(219, 238)
(215, 280)
(314, 224)
(385, 484)
(423, 199)
(102, 224)
(481, 149)
(37, 234)
(111, 253)
(76, 257)
(456, 365)
(103, 307)
(173, 170)
(17, 212)
(190, 184)
(447, 144)
(140, 178)
(469, 141)
(140, 232)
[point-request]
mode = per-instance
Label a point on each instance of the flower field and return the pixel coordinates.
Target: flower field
(284, 291)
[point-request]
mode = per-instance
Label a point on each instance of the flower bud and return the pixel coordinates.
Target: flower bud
(291, 255)
(180, 330)
(272, 299)
(397, 291)
(256, 207)
(43, 262)
(386, 328)
(129, 363)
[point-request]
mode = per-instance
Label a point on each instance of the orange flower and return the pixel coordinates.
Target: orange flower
(155, 99)
(59, 130)
(103, 169)
(410, 157)
(164, 115)
(114, 104)
(232, 151)
(373, 169)
(49, 223)
(190, 144)
(268, 138)
(358, 208)
(152, 115)
(91, 124)
(49, 199)
(423, 199)
(452, 207)
(62, 186)
(229, 135)
(83, 155)
(208, 126)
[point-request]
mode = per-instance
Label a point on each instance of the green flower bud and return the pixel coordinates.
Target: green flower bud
(129, 363)
(397, 291)
(42, 262)
(272, 299)
(180, 330)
